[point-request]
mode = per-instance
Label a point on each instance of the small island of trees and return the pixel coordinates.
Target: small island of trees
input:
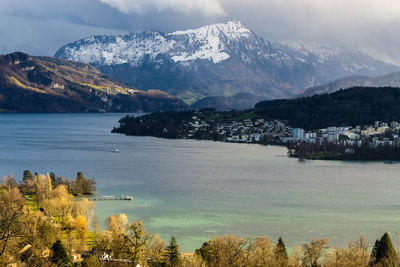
(77, 187)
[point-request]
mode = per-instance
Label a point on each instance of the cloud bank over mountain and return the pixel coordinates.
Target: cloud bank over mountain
(366, 25)
(206, 7)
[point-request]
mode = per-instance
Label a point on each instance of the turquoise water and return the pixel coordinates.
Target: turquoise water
(197, 189)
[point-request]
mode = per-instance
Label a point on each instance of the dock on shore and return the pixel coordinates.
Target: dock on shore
(108, 198)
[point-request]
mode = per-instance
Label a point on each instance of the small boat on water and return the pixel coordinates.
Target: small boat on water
(115, 150)
(388, 162)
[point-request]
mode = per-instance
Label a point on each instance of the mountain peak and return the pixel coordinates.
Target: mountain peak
(219, 59)
(230, 29)
(210, 42)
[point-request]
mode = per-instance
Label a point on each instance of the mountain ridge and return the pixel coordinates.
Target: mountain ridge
(220, 59)
(392, 80)
(44, 84)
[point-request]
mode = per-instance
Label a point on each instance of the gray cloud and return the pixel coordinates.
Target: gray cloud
(368, 25)
(206, 7)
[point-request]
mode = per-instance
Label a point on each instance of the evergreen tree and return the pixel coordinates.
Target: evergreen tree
(374, 253)
(205, 252)
(78, 184)
(173, 253)
(27, 176)
(82, 185)
(60, 255)
(53, 179)
(383, 252)
(281, 252)
(80, 176)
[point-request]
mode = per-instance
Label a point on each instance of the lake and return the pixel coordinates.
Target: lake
(197, 189)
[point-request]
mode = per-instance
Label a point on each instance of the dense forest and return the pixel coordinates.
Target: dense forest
(354, 106)
(154, 124)
(168, 124)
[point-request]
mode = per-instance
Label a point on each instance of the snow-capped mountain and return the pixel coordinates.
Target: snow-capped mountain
(215, 43)
(331, 62)
(218, 59)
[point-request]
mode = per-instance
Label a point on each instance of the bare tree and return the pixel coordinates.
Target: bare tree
(229, 250)
(155, 250)
(261, 252)
(314, 251)
(356, 255)
(11, 212)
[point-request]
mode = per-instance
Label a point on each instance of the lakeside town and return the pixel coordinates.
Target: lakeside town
(277, 132)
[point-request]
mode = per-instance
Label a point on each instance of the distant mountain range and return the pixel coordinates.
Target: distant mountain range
(392, 80)
(219, 60)
(45, 84)
(240, 101)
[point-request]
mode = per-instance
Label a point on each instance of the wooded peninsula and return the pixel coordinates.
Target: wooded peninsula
(360, 124)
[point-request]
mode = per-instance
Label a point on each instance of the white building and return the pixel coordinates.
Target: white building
(333, 135)
(298, 133)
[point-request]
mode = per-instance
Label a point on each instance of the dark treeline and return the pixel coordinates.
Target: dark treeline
(330, 151)
(154, 124)
(167, 124)
(354, 106)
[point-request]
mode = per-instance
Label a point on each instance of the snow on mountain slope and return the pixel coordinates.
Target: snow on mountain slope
(208, 43)
(233, 30)
(214, 43)
(105, 50)
(219, 59)
(211, 41)
(217, 43)
(321, 51)
(336, 61)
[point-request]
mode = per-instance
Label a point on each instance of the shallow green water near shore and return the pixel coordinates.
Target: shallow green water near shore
(197, 189)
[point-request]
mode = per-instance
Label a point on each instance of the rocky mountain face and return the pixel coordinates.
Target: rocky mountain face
(333, 62)
(45, 84)
(219, 60)
(390, 80)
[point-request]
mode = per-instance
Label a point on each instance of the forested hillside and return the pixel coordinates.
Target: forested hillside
(354, 106)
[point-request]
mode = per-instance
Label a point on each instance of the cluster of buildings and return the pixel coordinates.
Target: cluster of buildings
(237, 131)
(379, 133)
(263, 131)
(249, 131)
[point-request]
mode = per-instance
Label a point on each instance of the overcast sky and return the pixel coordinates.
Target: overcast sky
(43, 26)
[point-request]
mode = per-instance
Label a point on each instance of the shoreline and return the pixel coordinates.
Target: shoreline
(268, 144)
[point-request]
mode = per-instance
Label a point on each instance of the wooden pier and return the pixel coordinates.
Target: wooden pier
(109, 198)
